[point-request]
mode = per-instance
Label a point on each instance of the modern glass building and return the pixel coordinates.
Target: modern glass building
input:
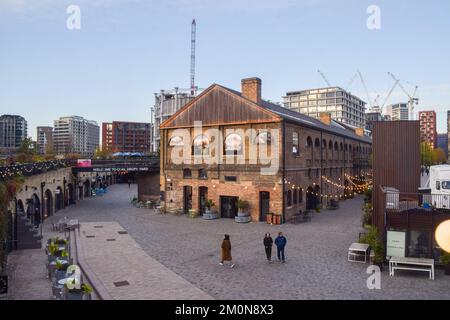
(398, 111)
(13, 130)
(340, 104)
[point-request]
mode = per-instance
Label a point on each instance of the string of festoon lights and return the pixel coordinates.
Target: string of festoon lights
(326, 196)
(21, 169)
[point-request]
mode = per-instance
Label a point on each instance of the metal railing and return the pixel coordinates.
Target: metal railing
(401, 201)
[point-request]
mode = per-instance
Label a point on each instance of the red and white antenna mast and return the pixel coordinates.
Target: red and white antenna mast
(193, 32)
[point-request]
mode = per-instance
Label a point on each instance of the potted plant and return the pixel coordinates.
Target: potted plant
(318, 208)
(243, 215)
(52, 251)
(445, 260)
(77, 294)
(372, 239)
(61, 269)
(210, 213)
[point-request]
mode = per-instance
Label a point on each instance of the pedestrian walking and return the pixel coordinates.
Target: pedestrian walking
(280, 242)
(226, 251)
(129, 183)
(268, 242)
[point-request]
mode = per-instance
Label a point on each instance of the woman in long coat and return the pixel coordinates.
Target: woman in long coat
(226, 251)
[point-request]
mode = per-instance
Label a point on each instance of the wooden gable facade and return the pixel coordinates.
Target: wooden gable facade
(216, 106)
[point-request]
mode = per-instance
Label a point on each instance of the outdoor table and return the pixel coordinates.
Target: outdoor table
(415, 264)
(358, 250)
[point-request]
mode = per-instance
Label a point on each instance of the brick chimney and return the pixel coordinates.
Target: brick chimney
(359, 132)
(325, 118)
(251, 89)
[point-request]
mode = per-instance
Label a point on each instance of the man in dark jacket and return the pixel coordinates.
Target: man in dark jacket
(280, 242)
(268, 242)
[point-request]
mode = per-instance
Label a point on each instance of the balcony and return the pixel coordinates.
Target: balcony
(423, 202)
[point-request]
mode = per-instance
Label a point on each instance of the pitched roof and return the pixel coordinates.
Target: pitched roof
(304, 120)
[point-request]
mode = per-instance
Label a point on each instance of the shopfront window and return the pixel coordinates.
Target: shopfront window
(419, 244)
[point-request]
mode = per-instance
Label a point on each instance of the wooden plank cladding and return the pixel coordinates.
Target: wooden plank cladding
(217, 105)
(396, 161)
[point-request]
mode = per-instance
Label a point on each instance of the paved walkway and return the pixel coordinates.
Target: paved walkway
(117, 259)
(316, 266)
(28, 275)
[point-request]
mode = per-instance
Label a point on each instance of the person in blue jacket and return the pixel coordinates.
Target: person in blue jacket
(280, 242)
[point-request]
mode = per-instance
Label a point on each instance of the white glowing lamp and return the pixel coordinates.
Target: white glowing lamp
(442, 235)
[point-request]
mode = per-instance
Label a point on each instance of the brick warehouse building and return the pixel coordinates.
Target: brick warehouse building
(120, 136)
(316, 158)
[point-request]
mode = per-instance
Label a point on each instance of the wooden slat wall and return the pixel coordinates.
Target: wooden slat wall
(217, 107)
(396, 161)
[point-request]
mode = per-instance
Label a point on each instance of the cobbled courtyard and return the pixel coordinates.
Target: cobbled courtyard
(316, 266)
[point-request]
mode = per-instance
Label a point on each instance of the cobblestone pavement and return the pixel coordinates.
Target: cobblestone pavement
(316, 266)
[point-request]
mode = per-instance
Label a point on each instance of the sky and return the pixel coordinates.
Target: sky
(126, 50)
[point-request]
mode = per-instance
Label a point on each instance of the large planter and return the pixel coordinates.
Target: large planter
(74, 295)
(193, 213)
(60, 274)
(242, 219)
(447, 269)
(210, 215)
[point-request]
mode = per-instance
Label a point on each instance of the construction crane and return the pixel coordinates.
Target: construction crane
(365, 89)
(193, 34)
(347, 88)
(412, 98)
(324, 78)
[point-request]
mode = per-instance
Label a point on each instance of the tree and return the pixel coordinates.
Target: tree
(426, 154)
(438, 156)
(26, 151)
(102, 153)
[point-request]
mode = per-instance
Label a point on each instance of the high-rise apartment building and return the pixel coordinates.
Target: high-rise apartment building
(428, 133)
(398, 111)
(121, 136)
(13, 130)
(340, 104)
(75, 134)
(44, 140)
(166, 104)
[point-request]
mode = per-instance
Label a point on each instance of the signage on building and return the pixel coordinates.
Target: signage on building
(84, 163)
(395, 244)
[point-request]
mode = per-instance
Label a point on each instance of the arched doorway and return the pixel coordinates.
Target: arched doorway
(202, 198)
(59, 198)
(312, 197)
(20, 207)
(87, 188)
(34, 210)
(70, 194)
(48, 203)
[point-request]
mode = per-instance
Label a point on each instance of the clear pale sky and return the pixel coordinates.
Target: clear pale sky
(127, 50)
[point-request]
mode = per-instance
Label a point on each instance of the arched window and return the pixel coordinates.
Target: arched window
(233, 144)
(202, 174)
(289, 198)
(295, 144)
(309, 142)
(187, 173)
(330, 145)
(324, 144)
(295, 196)
(350, 148)
(263, 137)
(176, 141)
(345, 147)
(200, 145)
(300, 196)
(336, 146)
(317, 143)
(342, 146)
